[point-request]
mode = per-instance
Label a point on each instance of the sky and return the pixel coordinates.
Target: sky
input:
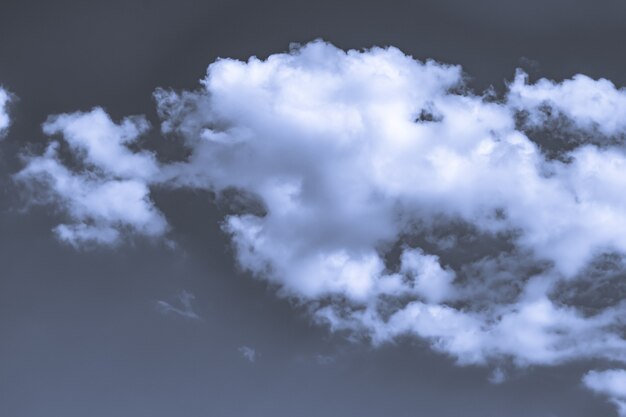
(213, 208)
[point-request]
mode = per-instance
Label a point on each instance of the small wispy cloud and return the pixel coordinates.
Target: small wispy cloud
(324, 359)
(497, 376)
(248, 353)
(185, 308)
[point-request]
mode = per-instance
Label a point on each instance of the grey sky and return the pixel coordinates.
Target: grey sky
(79, 331)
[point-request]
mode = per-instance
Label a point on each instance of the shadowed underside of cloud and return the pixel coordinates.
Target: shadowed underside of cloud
(394, 201)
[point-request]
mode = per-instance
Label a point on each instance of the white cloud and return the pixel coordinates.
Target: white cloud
(394, 202)
(589, 103)
(5, 121)
(185, 308)
(611, 383)
(106, 190)
(102, 144)
(248, 353)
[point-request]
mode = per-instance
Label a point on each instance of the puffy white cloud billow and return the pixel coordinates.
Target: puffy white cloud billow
(105, 190)
(589, 103)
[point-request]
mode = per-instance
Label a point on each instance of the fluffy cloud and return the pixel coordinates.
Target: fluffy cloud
(104, 190)
(380, 192)
(4, 117)
(397, 203)
(588, 103)
(611, 383)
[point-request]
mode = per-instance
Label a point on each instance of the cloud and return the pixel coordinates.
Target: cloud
(611, 383)
(497, 376)
(380, 192)
(248, 353)
(185, 309)
(104, 191)
(324, 359)
(588, 103)
(396, 202)
(5, 121)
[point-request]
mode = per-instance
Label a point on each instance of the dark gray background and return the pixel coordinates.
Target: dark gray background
(80, 335)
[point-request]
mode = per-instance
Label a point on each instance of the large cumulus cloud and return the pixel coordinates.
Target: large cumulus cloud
(387, 197)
